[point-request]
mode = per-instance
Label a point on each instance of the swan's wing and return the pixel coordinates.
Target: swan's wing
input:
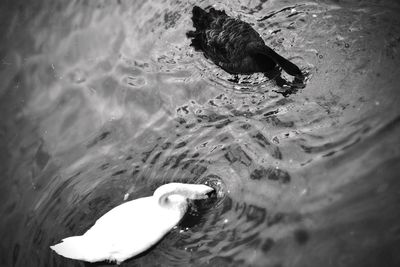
(135, 212)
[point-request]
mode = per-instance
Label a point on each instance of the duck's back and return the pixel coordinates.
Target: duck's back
(234, 45)
(229, 42)
(231, 37)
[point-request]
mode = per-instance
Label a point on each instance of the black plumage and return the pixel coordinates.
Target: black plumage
(234, 45)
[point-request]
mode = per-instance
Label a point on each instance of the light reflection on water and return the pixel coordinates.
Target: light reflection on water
(101, 99)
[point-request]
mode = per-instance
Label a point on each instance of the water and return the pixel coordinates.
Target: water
(101, 99)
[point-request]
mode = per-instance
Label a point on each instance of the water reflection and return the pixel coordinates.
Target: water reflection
(105, 100)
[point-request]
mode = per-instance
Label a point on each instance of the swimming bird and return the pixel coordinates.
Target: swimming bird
(133, 227)
(234, 45)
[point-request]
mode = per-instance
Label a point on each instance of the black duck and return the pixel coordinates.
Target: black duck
(234, 45)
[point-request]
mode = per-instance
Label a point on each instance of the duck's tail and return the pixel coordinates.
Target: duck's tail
(78, 248)
(285, 64)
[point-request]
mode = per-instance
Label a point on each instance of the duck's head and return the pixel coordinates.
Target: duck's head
(175, 195)
(201, 19)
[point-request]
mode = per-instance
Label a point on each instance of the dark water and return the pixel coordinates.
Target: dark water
(101, 99)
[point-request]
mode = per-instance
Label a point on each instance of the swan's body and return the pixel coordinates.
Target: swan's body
(234, 45)
(132, 227)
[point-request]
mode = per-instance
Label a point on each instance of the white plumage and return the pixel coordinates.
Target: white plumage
(132, 227)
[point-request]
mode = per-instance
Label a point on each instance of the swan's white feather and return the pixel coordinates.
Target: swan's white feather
(132, 227)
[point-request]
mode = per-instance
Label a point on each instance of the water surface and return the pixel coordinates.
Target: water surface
(102, 99)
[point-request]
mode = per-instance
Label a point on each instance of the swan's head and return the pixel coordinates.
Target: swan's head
(175, 195)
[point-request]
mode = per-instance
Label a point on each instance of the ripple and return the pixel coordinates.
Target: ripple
(110, 102)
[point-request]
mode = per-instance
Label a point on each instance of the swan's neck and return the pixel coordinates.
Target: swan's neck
(172, 199)
(176, 195)
(172, 196)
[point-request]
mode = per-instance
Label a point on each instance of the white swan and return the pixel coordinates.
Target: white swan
(132, 227)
